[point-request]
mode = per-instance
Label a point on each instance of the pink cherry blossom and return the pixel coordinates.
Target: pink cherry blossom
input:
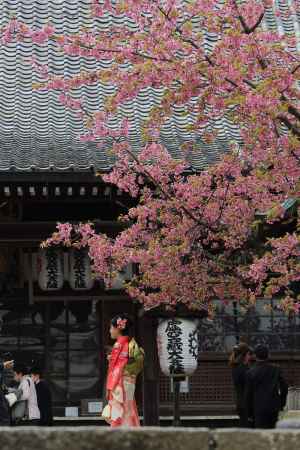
(193, 236)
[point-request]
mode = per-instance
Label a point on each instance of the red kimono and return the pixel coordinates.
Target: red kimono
(121, 410)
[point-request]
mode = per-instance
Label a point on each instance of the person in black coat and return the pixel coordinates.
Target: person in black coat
(4, 408)
(44, 397)
(239, 363)
(266, 391)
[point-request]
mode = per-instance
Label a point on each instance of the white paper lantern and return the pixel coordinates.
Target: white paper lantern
(50, 269)
(80, 274)
(177, 341)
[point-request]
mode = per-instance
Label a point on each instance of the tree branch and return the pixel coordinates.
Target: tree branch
(294, 111)
(296, 130)
(295, 69)
(251, 30)
(162, 191)
(246, 28)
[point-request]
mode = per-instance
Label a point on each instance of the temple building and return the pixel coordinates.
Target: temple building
(52, 310)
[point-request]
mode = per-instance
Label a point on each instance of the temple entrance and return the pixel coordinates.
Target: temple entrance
(64, 339)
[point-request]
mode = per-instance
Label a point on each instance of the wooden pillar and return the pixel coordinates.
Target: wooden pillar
(47, 325)
(176, 389)
(30, 278)
(102, 350)
(147, 333)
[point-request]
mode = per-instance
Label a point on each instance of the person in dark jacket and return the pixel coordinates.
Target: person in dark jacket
(266, 391)
(4, 408)
(239, 363)
(44, 397)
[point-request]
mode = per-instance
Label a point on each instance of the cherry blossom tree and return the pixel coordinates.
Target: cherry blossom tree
(192, 235)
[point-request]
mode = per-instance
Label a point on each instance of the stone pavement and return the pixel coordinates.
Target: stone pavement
(292, 414)
(289, 420)
(83, 438)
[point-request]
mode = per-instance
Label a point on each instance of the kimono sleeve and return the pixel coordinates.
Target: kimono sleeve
(117, 370)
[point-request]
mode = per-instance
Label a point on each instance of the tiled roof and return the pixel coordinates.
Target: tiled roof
(38, 133)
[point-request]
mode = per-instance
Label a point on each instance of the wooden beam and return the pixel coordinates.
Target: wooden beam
(74, 199)
(63, 190)
(18, 232)
(80, 298)
(49, 177)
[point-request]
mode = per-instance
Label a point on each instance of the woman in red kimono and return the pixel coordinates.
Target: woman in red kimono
(121, 409)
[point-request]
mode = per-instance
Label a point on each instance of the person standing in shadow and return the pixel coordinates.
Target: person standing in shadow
(266, 391)
(4, 408)
(44, 397)
(239, 363)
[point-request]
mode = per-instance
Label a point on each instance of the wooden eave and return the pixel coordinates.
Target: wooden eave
(67, 186)
(30, 234)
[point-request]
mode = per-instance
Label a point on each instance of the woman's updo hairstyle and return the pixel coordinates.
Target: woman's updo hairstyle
(123, 323)
(238, 354)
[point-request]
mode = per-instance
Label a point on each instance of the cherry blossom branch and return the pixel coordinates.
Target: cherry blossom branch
(161, 190)
(295, 69)
(246, 28)
(294, 128)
